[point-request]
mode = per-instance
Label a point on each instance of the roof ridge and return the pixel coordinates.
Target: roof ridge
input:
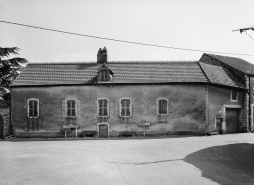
(226, 56)
(121, 62)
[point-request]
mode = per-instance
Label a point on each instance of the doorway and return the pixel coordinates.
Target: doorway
(103, 130)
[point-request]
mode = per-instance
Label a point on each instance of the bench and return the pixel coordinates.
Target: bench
(127, 134)
(89, 133)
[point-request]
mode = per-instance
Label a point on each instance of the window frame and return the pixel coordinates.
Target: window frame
(158, 106)
(75, 108)
(71, 108)
(98, 107)
(28, 108)
(236, 95)
(120, 107)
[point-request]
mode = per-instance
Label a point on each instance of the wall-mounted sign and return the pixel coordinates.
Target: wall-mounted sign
(144, 124)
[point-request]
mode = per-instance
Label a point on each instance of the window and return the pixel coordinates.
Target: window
(33, 108)
(125, 107)
(234, 95)
(71, 108)
(104, 76)
(103, 108)
(162, 106)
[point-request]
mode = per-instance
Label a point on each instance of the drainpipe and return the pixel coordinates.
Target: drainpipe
(249, 106)
(10, 120)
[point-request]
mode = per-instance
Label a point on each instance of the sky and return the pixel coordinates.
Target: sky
(197, 25)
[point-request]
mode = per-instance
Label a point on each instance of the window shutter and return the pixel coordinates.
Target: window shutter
(78, 108)
(28, 108)
(97, 107)
(120, 108)
(107, 107)
(131, 105)
(38, 110)
(64, 109)
(132, 109)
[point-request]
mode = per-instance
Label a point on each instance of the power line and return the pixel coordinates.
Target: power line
(248, 25)
(125, 41)
(250, 36)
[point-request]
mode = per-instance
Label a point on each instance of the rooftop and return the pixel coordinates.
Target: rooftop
(134, 72)
(236, 63)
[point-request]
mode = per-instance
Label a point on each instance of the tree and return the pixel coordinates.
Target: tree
(9, 70)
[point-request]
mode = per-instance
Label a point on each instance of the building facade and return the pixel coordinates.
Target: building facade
(112, 98)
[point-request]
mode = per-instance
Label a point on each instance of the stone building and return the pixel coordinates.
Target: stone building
(112, 98)
(244, 72)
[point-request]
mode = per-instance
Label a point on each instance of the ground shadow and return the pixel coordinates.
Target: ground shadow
(227, 164)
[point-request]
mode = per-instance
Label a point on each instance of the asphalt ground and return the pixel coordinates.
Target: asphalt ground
(219, 159)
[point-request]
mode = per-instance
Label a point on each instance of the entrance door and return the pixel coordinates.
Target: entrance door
(232, 116)
(103, 130)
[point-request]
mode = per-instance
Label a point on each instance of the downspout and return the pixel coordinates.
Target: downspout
(10, 124)
(249, 106)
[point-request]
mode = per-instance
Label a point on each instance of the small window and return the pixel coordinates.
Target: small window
(104, 76)
(162, 106)
(125, 107)
(234, 95)
(33, 108)
(102, 108)
(71, 108)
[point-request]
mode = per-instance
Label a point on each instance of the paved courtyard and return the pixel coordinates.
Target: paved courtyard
(227, 159)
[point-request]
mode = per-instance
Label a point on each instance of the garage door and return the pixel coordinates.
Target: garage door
(232, 117)
(103, 130)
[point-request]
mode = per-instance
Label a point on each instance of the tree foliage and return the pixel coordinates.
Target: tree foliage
(9, 70)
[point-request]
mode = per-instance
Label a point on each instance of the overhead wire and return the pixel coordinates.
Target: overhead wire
(249, 36)
(249, 24)
(124, 41)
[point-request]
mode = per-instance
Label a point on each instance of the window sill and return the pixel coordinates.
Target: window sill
(107, 82)
(234, 100)
(72, 117)
(32, 117)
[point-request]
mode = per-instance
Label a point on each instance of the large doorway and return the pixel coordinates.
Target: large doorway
(232, 119)
(103, 130)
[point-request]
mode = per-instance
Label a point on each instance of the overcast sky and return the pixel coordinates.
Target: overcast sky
(196, 24)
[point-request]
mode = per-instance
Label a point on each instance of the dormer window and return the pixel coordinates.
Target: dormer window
(104, 74)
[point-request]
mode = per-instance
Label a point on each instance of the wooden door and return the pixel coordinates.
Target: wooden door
(232, 116)
(103, 130)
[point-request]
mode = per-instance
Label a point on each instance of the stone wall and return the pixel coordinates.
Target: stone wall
(186, 108)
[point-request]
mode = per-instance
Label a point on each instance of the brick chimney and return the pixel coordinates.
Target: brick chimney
(102, 56)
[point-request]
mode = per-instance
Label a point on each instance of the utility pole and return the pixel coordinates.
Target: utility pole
(241, 31)
(244, 29)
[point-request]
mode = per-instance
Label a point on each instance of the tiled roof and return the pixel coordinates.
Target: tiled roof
(219, 75)
(236, 63)
(124, 72)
